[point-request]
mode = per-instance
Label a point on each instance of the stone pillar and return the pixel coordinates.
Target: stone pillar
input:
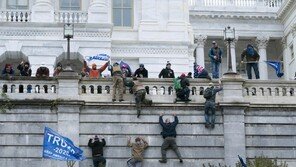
(42, 11)
(292, 66)
(233, 107)
(68, 108)
(285, 58)
(98, 11)
(262, 42)
(148, 24)
(200, 53)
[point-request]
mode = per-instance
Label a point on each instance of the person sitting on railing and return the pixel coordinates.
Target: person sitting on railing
(138, 148)
(117, 81)
(58, 69)
(8, 71)
(252, 58)
(167, 72)
(93, 72)
(24, 69)
(182, 91)
(189, 75)
(210, 105)
(141, 72)
(201, 72)
(169, 135)
(42, 71)
(139, 91)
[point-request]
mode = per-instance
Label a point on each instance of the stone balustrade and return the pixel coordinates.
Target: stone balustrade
(160, 90)
(237, 3)
(15, 16)
(71, 17)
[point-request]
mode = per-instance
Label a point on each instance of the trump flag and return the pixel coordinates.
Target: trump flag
(58, 147)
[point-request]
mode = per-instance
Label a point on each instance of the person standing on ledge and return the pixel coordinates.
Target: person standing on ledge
(252, 58)
(215, 55)
(141, 72)
(167, 72)
(169, 135)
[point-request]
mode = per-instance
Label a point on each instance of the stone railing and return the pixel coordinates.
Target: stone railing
(273, 92)
(237, 3)
(33, 88)
(160, 90)
(71, 17)
(15, 16)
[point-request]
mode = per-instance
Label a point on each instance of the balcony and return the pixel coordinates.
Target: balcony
(255, 92)
(236, 6)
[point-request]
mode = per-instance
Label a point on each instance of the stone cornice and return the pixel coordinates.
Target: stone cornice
(285, 7)
(149, 50)
(233, 15)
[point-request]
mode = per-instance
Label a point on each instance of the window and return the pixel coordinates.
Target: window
(70, 4)
(17, 4)
(122, 13)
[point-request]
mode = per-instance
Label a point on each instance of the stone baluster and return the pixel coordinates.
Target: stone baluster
(200, 53)
(262, 42)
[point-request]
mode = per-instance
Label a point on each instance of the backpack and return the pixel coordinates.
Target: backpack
(177, 83)
(208, 93)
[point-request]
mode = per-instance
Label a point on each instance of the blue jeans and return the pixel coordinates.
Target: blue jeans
(256, 70)
(215, 69)
(210, 112)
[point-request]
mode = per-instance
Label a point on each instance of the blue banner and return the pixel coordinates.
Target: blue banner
(102, 57)
(277, 66)
(59, 147)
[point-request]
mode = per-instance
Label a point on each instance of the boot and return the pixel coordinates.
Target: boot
(138, 113)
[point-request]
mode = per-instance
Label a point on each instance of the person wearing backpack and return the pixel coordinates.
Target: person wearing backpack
(210, 104)
(252, 58)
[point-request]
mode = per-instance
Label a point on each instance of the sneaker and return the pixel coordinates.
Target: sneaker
(212, 126)
(207, 125)
(163, 161)
(181, 160)
(120, 100)
(138, 113)
(113, 100)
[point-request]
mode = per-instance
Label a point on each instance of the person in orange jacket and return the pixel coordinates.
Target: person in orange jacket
(93, 72)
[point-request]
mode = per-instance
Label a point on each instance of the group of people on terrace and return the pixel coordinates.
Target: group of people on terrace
(215, 54)
(169, 134)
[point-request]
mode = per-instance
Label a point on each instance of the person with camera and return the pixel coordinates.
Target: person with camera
(96, 144)
(215, 55)
(138, 148)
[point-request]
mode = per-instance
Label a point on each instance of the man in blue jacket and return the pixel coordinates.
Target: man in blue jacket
(169, 134)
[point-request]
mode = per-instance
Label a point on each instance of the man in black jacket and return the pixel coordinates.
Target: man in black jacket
(141, 72)
(97, 144)
(169, 134)
(167, 72)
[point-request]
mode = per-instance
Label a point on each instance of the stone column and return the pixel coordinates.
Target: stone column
(285, 58)
(262, 42)
(68, 108)
(233, 107)
(42, 11)
(292, 67)
(200, 53)
(98, 11)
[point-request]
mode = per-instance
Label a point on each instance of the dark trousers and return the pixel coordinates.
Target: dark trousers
(134, 163)
(99, 161)
(249, 70)
(169, 142)
(210, 111)
(140, 99)
(183, 94)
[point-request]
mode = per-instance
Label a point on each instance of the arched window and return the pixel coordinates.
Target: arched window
(122, 13)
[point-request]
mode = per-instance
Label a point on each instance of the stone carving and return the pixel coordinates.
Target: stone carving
(262, 41)
(200, 40)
